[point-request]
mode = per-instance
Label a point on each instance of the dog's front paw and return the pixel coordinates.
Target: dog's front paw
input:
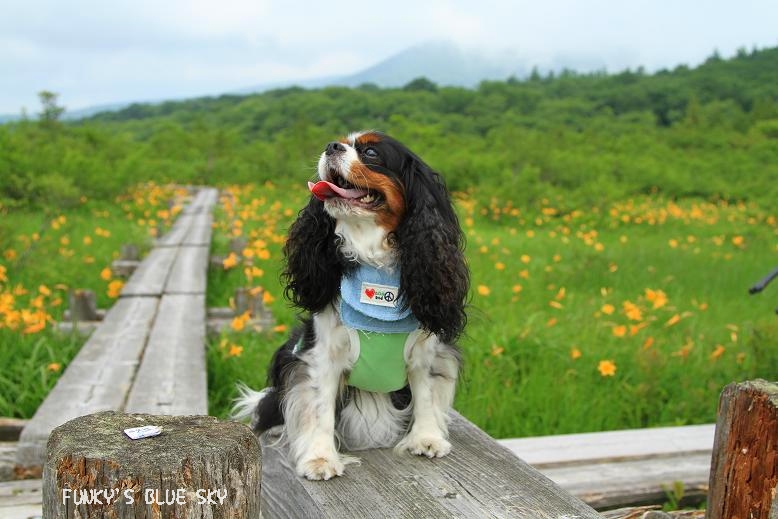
(321, 468)
(430, 446)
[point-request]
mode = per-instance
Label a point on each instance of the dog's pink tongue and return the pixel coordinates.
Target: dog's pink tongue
(324, 190)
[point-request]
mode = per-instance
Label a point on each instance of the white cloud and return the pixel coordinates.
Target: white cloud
(93, 51)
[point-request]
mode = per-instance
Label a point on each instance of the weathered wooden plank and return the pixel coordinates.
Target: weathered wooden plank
(172, 378)
(151, 275)
(7, 460)
(567, 449)
(190, 271)
(21, 499)
(480, 478)
(97, 379)
(177, 233)
(203, 201)
(200, 231)
(611, 484)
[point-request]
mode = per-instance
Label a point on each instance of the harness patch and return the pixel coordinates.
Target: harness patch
(379, 295)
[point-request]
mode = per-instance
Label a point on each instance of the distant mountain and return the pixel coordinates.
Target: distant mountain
(443, 63)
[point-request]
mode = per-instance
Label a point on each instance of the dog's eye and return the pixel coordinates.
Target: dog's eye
(370, 153)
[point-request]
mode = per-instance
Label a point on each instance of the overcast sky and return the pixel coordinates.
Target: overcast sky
(94, 52)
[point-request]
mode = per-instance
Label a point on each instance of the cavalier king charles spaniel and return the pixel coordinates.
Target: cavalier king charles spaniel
(376, 261)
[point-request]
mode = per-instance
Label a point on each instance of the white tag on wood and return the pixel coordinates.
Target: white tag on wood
(147, 431)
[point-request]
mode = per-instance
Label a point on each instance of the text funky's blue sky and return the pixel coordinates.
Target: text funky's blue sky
(94, 52)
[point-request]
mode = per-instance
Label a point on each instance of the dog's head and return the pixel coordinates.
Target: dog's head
(374, 193)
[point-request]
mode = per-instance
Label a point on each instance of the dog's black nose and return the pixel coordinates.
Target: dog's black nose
(334, 147)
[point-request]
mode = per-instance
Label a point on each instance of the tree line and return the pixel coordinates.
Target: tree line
(709, 131)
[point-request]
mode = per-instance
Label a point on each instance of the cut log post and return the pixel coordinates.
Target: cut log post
(82, 306)
(238, 245)
(197, 467)
(130, 252)
(128, 261)
(249, 300)
(744, 466)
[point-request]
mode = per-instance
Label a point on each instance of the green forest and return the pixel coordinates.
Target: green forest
(708, 132)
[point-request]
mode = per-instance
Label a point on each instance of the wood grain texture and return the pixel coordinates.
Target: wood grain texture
(97, 379)
(632, 444)
(193, 453)
(200, 231)
(203, 201)
(21, 499)
(623, 483)
(175, 236)
(620, 468)
(744, 467)
(150, 277)
(480, 478)
(172, 378)
(189, 273)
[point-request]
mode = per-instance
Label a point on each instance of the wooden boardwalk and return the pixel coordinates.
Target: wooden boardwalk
(620, 468)
(148, 354)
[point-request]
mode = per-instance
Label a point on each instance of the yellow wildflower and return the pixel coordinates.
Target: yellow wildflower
(620, 330)
(230, 261)
(632, 311)
(484, 290)
(657, 297)
(607, 368)
(673, 320)
(718, 352)
(115, 288)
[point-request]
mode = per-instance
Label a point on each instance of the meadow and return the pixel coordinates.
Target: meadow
(44, 255)
(633, 314)
(614, 222)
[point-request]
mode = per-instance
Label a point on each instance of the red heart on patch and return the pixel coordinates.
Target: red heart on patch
(370, 292)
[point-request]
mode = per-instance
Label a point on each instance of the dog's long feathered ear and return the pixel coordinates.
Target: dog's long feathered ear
(434, 276)
(313, 268)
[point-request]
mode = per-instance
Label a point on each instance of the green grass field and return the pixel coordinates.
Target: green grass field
(43, 255)
(633, 314)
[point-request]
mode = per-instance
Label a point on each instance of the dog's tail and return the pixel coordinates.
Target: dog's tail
(263, 408)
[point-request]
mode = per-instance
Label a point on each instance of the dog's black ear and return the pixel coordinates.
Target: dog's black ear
(434, 278)
(313, 268)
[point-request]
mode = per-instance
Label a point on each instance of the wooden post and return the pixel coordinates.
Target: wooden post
(197, 467)
(82, 306)
(238, 245)
(744, 467)
(130, 252)
(245, 301)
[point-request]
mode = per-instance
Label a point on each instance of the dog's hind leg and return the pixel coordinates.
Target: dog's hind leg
(433, 368)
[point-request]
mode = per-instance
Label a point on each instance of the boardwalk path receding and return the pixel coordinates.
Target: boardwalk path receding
(148, 354)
